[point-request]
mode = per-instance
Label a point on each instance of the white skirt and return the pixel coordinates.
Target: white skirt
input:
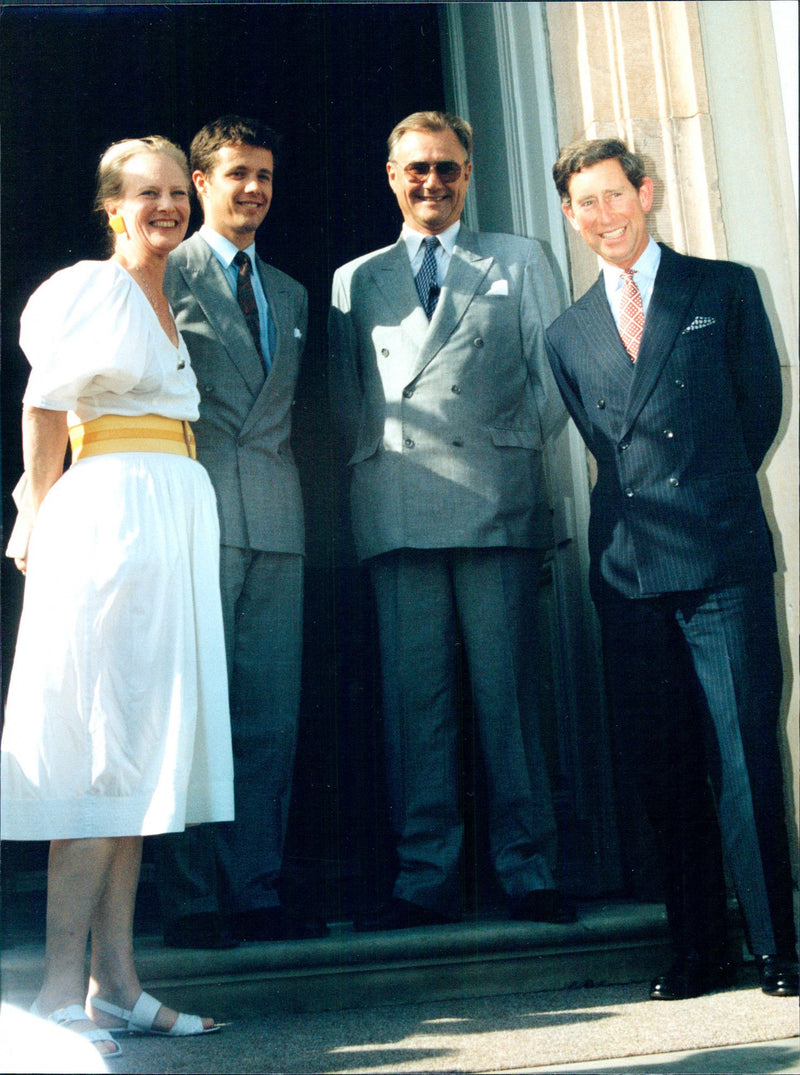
(117, 715)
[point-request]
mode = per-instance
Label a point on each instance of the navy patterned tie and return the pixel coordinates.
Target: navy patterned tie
(247, 299)
(427, 278)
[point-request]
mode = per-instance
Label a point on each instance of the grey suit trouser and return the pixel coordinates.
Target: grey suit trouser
(234, 866)
(422, 597)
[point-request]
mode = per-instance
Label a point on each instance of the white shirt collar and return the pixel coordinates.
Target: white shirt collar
(413, 239)
(645, 268)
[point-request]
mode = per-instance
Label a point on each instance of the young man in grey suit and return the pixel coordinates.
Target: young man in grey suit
(673, 380)
(244, 323)
(445, 398)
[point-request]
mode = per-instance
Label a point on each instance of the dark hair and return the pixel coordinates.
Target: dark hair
(586, 152)
(230, 131)
(432, 121)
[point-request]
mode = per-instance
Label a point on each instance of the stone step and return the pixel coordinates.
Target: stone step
(612, 942)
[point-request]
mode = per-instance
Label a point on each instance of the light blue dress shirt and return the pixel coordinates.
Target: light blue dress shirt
(646, 268)
(443, 253)
(225, 251)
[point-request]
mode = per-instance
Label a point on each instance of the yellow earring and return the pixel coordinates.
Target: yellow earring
(117, 225)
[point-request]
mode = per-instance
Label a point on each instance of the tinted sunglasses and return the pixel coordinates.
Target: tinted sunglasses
(447, 171)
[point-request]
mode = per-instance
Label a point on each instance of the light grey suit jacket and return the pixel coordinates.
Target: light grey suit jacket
(445, 422)
(243, 434)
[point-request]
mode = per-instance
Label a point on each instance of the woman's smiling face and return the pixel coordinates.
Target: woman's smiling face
(154, 203)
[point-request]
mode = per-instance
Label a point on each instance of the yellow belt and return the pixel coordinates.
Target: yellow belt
(131, 433)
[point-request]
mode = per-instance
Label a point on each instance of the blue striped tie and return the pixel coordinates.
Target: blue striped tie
(427, 278)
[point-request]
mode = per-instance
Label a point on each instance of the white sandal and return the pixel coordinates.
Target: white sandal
(141, 1019)
(75, 1014)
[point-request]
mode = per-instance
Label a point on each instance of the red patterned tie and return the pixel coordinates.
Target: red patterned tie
(631, 315)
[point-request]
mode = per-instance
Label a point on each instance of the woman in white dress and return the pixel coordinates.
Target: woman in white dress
(117, 716)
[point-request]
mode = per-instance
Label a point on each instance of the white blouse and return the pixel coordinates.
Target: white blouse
(96, 347)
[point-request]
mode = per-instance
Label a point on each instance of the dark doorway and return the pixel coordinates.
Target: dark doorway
(334, 79)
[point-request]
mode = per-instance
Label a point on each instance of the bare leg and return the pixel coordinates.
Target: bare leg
(113, 973)
(77, 875)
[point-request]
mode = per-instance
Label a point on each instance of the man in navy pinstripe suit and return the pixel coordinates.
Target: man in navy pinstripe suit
(679, 418)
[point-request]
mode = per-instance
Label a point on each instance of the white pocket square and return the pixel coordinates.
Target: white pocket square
(699, 322)
(298, 335)
(499, 287)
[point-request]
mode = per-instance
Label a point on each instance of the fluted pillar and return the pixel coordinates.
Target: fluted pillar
(635, 71)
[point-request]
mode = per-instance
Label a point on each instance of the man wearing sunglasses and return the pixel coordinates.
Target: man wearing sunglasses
(441, 384)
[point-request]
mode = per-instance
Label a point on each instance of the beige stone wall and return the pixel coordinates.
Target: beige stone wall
(635, 70)
(694, 88)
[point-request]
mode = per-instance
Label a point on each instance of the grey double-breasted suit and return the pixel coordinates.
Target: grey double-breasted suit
(447, 419)
(243, 440)
(243, 435)
(444, 424)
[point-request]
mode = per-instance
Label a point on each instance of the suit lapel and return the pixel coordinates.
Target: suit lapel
(280, 332)
(205, 278)
(395, 282)
(393, 279)
(602, 340)
(675, 285)
(466, 272)
(280, 327)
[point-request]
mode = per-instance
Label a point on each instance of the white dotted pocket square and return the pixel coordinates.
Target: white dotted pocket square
(699, 322)
(499, 287)
(298, 335)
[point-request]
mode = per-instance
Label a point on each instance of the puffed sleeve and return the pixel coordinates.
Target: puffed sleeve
(84, 333)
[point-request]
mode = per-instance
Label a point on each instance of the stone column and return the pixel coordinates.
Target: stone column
(635, 71)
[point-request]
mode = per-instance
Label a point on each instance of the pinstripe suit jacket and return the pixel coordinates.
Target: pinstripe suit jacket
(678, 437)
(243, 435)
(445, 421)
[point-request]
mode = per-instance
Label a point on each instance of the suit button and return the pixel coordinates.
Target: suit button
(624, 445)
(674, 482)
(409, 443)
(385, 352)
(679, 383)
(408, 393)
(668, 434)
(208, 388)
(458, 443)
(456, 390)
(478, 341)
(601, 404)
(629, 493)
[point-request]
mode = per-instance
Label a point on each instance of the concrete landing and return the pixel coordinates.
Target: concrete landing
(610, 943)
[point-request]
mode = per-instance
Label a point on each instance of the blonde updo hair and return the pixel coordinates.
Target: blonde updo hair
(110, 178)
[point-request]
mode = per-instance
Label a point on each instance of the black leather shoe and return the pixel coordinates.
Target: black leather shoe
(691, 976)
(544, 905)
(398, 914)
(277, 924)
(778, 976)
(203, 930)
